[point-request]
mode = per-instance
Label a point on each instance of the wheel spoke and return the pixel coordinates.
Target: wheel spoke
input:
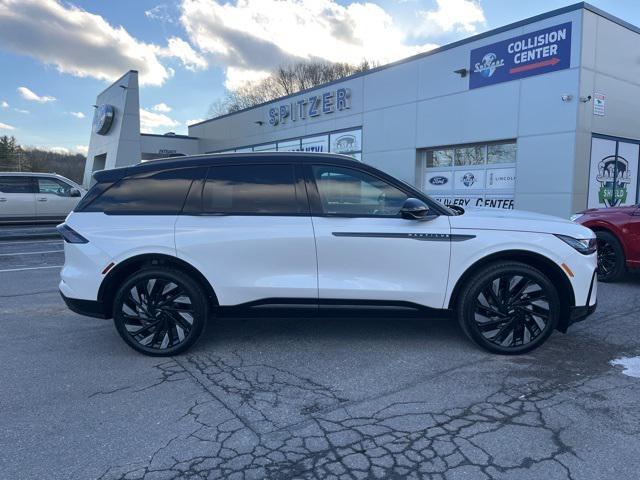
(503, 333)
(519, 288)
(490, 296)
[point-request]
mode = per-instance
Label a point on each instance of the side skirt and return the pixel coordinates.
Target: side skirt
(311, 307)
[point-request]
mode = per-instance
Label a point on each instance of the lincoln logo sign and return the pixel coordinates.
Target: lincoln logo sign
(534, 53)
(311, 106)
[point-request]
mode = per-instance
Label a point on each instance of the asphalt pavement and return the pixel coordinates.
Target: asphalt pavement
(308, 398)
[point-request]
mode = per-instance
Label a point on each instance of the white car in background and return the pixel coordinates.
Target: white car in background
(160, 246)
(27, 197)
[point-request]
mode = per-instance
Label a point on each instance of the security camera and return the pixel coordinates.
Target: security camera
(567, 98)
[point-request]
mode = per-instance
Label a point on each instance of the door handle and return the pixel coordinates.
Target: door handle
(3, 199)
(42, 199)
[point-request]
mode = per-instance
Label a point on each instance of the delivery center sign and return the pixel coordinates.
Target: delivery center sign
(534, 53)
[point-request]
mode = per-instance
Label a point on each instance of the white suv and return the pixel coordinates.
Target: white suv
(162, 245)
(36, 197)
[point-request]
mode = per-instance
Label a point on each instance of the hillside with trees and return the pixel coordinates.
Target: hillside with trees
(15, 158)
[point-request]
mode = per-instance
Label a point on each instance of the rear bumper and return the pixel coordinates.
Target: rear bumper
(89, 308)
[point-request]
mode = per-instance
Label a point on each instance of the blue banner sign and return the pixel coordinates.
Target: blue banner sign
(534, 53)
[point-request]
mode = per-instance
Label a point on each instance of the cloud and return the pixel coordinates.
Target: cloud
(251, 37)
(76, 42)
(77, 114)
(150, 122)
(161, 13)
(161, 107)
(4, 126)
(453, 16)
(178, 48)
(62, 150)
(4, 104)
(19, 110)
(34, 97)
(83, 149)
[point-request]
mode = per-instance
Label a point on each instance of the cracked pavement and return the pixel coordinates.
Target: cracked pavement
(311, 398)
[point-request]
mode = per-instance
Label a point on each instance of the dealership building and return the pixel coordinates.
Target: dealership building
(542, 115)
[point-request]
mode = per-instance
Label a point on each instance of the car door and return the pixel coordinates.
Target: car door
(248, 230)
(17, 197)
(633, 241)
(53, 198)
(366, 250)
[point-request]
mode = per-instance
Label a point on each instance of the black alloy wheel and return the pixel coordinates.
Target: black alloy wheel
(509, 308)
(610, 257)
(160, 312)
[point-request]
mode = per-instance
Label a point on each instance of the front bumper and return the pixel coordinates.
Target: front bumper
(577, 314)
(89, 308)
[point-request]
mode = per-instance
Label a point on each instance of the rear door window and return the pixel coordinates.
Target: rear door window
(251, 190)
(17, 184)
(160, 193)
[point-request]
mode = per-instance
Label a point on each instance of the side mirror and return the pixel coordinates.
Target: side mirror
(414, 209)
(74, 192)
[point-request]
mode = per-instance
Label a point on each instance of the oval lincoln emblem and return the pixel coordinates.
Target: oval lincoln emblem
(438, 180)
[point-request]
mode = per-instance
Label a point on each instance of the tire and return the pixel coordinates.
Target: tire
(154, 318)
(508, 308)
(611, 261)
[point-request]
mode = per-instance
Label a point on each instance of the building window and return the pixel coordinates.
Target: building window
(613, 177)
(472, 175)
(344, 142)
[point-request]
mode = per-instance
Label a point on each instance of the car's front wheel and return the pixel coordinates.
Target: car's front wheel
(509, 308)
(160, 312)
(610, 257)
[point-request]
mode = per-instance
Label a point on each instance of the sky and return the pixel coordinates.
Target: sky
(56, 56)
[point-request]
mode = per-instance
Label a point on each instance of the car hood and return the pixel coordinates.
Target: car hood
(609, 210)
(519, 221)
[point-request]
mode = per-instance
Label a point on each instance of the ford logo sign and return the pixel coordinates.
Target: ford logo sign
(439, 180)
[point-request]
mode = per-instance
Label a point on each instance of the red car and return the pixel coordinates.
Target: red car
(618, 232)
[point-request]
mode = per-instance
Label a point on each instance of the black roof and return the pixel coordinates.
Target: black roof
(211, 159)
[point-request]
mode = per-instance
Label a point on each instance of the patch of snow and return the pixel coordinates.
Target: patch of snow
(631, 365)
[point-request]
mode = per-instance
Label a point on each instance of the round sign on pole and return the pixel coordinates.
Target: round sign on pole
(103, 119)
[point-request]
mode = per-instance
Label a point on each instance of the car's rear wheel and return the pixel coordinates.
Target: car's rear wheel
(509, 308)
(610, 257)
(160, 312)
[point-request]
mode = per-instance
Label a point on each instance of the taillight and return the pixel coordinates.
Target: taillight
(70, 235)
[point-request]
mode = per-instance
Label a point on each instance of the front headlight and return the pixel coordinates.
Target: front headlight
(586, 246)
(575, 216)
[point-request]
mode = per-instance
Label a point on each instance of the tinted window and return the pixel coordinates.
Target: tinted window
(54, 186)
(250, 189)
(16, 185)
(160, 193)
(344, 191)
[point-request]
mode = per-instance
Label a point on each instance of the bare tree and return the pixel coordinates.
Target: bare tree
(285, 80)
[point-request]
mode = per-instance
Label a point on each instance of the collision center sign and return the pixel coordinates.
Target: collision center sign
(534, 53)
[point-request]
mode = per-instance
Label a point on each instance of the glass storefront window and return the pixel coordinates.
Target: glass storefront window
(270, 147)
(501, 153)
(473, 155)
(289, 146)
(440, 158)
(346, 142)
(316, 144)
